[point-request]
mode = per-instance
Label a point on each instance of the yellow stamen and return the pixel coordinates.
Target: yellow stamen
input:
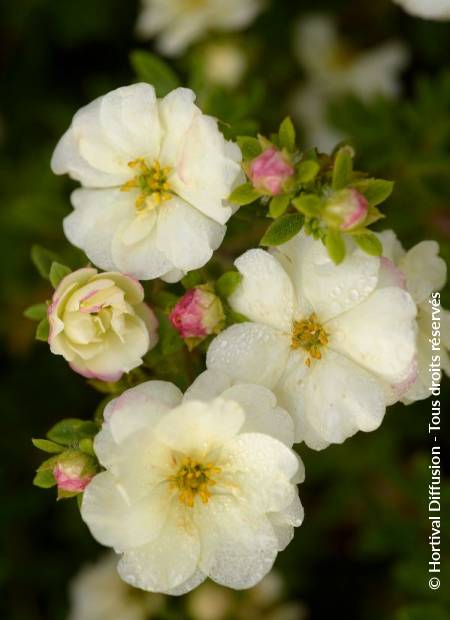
(153, 183)
(310, 336)
(192, 479)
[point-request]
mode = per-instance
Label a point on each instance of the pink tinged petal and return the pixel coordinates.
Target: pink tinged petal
(89, 374)
(390, 275)
(269, 171)
(349, 208)
(197, 314)
(401, 389)
(69, 478)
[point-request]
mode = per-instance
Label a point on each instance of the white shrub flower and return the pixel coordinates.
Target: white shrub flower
(178, 23)
(194, 486)
(425, 273)
(332, 71)
(334, 342)
(98, 593)
(155, 174)
(428, 9)
(100, 324)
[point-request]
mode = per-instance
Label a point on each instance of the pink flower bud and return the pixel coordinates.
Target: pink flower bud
(198, 314)
(270, 171)
(70, 474)
(347, 209)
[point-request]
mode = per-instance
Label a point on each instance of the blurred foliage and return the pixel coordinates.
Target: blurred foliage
(362, 551)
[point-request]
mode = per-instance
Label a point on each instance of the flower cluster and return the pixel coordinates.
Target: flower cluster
(307, 341)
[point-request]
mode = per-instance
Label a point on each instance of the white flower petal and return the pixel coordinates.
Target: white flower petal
(250, 353)
(207, 385)
(424, 269)
(265, 294)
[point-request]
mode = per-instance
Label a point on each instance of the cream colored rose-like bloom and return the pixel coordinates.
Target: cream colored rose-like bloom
(156, 174)
(194, 486)
(332, 71)
(100, 324)
(428, 9)
(178, 23)
(98, 593)
(334, 342)
(424, 273)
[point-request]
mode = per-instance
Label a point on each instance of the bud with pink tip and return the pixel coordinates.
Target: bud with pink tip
(73, 472)
(346, 209)
(198, 313)
(270, 171)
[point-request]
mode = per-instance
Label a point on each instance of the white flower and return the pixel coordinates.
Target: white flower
(424, 274)
(156, 174)
(333, 71)
(97, 593)
(99, 323)
(178, 23)
(428, 9)
(333, 342)
(194, 486)
(224, 63)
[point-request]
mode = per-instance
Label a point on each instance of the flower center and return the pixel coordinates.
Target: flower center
(310, 336)
(152, 183)
(192, 479)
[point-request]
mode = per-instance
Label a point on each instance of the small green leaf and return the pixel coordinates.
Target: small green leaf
(43, 330)
(86, 445)
(309, 204)
(286, 135)
(278, 205)
(193, 278)
(373, 216)
(227, 283)
(243, 195)
(335, 245)
(343, 168)
(57, 273)
(307, 171)
(44, 479)
(150, 68)
(47, 446)
(249, 146)
(70, 431)
(368, 242)
(42, 260)
(377, 191)
(283, 229)
(37, 312)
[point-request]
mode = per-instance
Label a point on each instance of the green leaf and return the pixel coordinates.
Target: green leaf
(286, 135)
(307, 171)
(373, 216)
(335, 245)
(227, 283)
(42, 260)
(170, 340)
(57, 273)
(377, 191)
(43, 330)
(44, 479)
(249, 146)
(150, 68)
(70, 431)
(37, 312)
(309, 204)
(368, 242)
(283, 229)
(343, 168)
(86, 445)
(193, 278)
(278, 205)
(47, 446)
(243, 195)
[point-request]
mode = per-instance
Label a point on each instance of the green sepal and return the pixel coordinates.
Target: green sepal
(368, 242)
(308, 204)
(36, 312)
(335, 245)
(278, 205)
(250, 147)
(243, 195)
(43, 330)
(283, 229)
(193, 278)
(86, 445)
(47, 446)
(286, 135)
(307, 171)
(227, 283)
(375, 191)
(44, 479)
(343, 168)
(151, 69)
(42, 260)
(69, 432)
(57, 273)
